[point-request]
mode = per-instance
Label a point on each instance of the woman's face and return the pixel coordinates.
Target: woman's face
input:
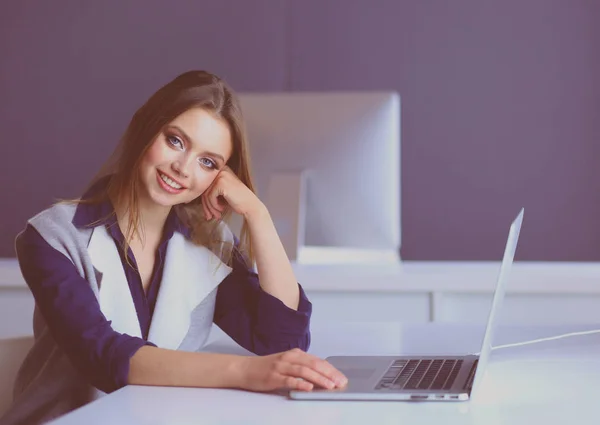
(185, 158)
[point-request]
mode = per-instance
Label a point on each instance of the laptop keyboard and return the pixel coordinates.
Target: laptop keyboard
(424, 374)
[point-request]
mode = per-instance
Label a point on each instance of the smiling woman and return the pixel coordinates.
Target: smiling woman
(129, 278)
(185, 158)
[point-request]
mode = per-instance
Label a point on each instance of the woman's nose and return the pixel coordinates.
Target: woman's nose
(180, 167)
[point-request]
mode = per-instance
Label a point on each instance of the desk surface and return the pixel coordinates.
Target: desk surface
(554, 382)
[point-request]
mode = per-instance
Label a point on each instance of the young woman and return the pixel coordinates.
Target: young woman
(129, 278)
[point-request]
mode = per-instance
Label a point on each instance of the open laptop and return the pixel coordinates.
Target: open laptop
(420, 378)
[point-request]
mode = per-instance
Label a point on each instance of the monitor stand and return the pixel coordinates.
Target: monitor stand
(286, 201)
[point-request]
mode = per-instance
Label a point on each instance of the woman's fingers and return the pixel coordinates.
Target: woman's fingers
(292, 383)
(293, 369)
(207, 213)
(213, 199)
(321, 366)
(310, 375)
(210, 203)
(211, 210)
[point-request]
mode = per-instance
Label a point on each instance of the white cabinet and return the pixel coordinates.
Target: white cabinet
(542, 309)
(415, 292)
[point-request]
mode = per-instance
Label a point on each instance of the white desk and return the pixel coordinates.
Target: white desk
(554, 382)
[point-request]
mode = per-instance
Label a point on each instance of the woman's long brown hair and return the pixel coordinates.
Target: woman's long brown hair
(191, 89)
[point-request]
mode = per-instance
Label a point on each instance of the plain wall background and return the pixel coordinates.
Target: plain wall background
(500, 101)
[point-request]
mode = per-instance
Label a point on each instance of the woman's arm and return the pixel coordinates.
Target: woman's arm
(72, 314)
(108, 360)
(263, 315)
(257, 320)
(275, 271)
(157, 366)
(274, 268)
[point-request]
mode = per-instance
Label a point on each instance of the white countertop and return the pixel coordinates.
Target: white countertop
(551, 383)
(452, 276)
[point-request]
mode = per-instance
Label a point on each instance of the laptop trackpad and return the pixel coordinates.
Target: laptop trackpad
(357, 373)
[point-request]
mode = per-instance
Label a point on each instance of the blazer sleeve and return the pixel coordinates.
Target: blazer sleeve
(73, 316)
(255, 319)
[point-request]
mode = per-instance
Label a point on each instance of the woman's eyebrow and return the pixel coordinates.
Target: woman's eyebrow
(189, 140)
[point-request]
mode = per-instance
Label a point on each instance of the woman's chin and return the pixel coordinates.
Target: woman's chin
(164, 200)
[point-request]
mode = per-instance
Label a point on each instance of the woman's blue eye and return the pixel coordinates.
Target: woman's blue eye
(208, 163)
(175, 141)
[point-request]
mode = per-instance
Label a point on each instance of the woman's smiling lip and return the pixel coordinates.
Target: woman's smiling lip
(172, 178)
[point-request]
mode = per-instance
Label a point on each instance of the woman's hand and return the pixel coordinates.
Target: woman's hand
(293, 369)
(227, 188)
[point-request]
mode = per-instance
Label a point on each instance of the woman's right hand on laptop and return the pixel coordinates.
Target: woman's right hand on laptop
(294, 369)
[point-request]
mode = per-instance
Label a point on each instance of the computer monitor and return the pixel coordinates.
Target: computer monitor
(327, 165)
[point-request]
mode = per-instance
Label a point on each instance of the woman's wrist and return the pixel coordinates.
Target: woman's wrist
(236, 372)
(257, 212)
(158, 366)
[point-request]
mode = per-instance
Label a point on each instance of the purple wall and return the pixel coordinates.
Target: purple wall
(500, 101)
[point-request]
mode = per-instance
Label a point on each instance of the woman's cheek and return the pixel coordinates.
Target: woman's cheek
(155, 154)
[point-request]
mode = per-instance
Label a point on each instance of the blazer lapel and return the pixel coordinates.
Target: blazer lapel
(114, 294)
(190, 273)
